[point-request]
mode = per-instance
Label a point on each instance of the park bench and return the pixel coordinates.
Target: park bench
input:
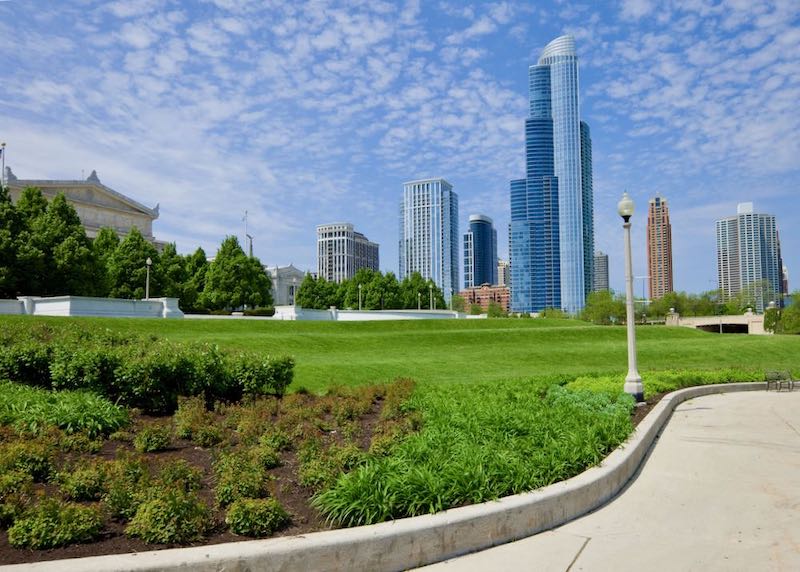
(779, 379)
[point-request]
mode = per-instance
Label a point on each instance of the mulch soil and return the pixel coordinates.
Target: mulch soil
(288, 491)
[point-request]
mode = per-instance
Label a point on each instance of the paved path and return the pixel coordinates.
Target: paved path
(720, 491)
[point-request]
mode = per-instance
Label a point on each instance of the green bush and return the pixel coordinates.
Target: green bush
(256, 517)
(126, 479)
(208, 436)
(180, 474)
(83, 367)
(268, 311)
(276, 439)
(190, 416)
(16, 488)
(30, 457)
(54, 523)
(171, 516)
(152, 438)
(26, 362)
(239, 475)
(263, 376)
(83, 484)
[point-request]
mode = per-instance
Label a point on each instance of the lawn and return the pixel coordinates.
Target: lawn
(444, 351)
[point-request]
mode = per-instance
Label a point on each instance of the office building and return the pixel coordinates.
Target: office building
(503, 273)
(552, 228)
(341, 252)
(429, 233)
(484, 295)
(659, 248)
(480, 252)
(747, 256)
(600, 276)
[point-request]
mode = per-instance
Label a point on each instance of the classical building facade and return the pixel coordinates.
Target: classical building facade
(480, 252)
(286, 282)
(342, 251)
(552, 216)
(429, 233)
(97, 205)
(659, 248)
(485, 294)
(748, 256)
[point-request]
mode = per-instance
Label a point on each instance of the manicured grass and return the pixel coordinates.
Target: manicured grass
(446, 351)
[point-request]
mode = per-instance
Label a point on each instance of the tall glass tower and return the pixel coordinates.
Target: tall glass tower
(480, 252)
(429, 233)
(552, 227)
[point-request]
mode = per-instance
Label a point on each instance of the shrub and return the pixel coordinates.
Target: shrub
(125, 479)
(180, 474)
(239, 475)
(259, 376)
(26, 362)
(83, 484)
(83, 367)
(256, 517)
(190, 416)
(208, 436)
(152, 438)
(268, 311)
(29, 457)
(265, 456)
(171, 516)
(16, 488)
(54, 523)
(276, 438)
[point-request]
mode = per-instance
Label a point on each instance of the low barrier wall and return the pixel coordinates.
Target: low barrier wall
(89, 306)
(336, 315)
(413, 542)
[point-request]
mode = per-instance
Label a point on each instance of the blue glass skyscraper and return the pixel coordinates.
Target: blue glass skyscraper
(480, 252)
(552, 230)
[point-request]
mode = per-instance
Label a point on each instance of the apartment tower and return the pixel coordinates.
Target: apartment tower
(600, 277)
(659, 248)
(480, 252)
(341, 252)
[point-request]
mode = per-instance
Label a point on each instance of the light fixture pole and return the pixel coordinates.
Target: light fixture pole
(294, 291)
(149, 263)
(359, 297)
(419, 300)
(430, 295)
(633, 381)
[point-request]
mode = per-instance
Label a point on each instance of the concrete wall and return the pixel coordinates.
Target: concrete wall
(88, 306)
(754, 322)
(333, 314)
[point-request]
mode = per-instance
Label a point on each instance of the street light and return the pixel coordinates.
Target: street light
(430, 295)
(294, 291)
(149, 263)
(419, 300)
(633, 381)
(359, 297)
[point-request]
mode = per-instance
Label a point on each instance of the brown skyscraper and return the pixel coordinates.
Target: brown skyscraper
(659, 248)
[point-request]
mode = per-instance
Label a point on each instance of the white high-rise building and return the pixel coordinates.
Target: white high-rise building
(341, 252)
(503, 273)
(600, 278)
(748, 256)
(429, 233)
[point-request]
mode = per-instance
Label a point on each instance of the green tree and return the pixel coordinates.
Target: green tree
(458, 303)
(603, 307)
(495, 310)
(307, 296)
(414, 291)
(9, 231)
(196, 269)
(104, 245)
(31, 274)
(475, 309)
(234, 280)
(128, 268)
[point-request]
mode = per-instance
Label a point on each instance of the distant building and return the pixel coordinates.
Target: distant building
(600, 278)
(552, 217)
(747, 256)
(480, 252)
(341, 252)
(503, 273)
(97, 205)
(429, 233)
(785, 281)
(286, 281)
(659, 248)
(485, 294)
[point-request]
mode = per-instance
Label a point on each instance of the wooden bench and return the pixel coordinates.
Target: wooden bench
(779, 379)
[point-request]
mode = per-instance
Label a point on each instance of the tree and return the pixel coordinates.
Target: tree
(475, 309)
(234, 280)
(458, 303)
(495, 310)
(307, 296)
(196, 269)
(9, 231)
(413, 291)
(602, 307)
(104, 245)
(128, 267)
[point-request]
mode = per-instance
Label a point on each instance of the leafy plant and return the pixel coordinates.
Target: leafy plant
(126, 478)
(83, 484)
(152, 438)
(171, 516)
(180, 474)
(29, 457)
(256, 517)
(239, 475)
(53, 523)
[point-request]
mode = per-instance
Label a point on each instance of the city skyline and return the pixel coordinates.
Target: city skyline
(313, 112)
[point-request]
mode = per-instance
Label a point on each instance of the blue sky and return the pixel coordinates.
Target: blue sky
(305, 113)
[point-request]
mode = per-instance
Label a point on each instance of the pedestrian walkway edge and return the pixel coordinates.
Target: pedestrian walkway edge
(413, 542)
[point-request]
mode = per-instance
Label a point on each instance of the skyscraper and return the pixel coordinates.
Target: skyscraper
(552, 227)
(600, 277)
(659, 248)
(503, 273)
(341, 252)
(480, 252)
(747, 256)
(429, 233)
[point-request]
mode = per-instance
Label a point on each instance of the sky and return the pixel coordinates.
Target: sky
(306, 113)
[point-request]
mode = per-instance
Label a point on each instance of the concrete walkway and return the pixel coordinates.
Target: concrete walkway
(720, 491)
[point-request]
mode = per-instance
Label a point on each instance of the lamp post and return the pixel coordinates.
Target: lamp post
(419, 300)
(294, 291)
(149, 263)
(430, 295)
(633, 381)
(359, 297)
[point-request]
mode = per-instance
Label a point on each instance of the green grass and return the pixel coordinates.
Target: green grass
(448, 351)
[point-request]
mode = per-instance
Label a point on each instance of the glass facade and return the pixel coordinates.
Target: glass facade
(480, 252)
(552, 225)
(429, 233)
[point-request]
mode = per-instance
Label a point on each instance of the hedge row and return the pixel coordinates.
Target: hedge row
(141, 372)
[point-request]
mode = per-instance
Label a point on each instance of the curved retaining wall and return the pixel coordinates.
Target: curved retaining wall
(413, 542)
